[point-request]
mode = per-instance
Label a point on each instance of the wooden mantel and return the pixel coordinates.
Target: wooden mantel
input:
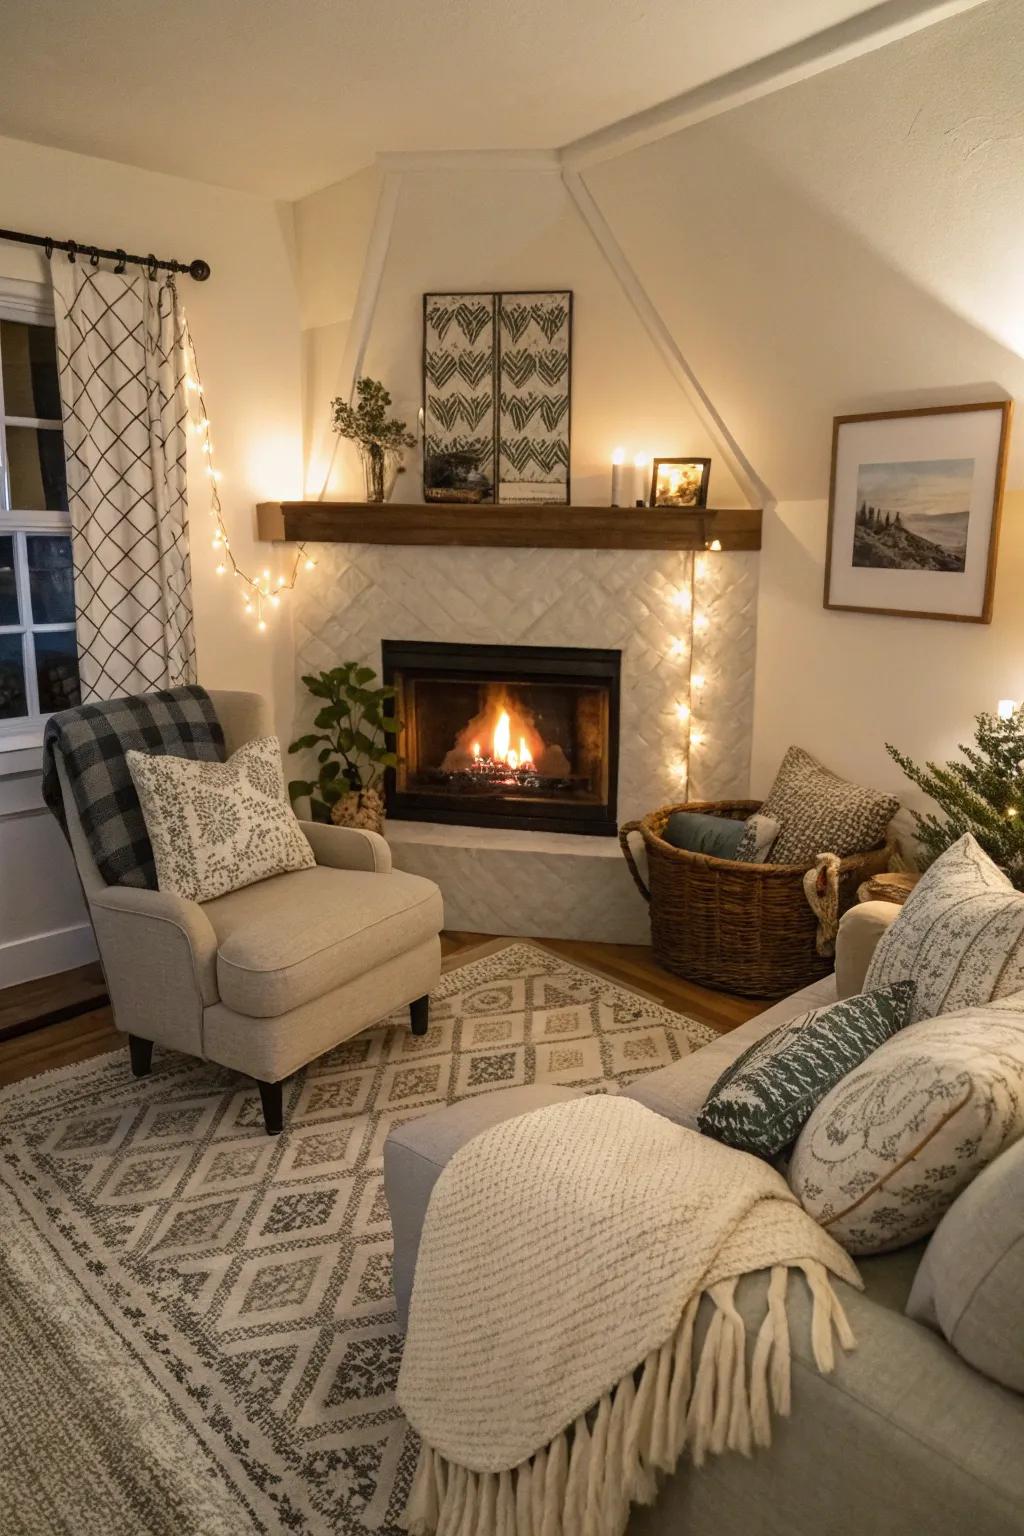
(510, 527)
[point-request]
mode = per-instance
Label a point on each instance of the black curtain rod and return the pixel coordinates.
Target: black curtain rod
(198, 269)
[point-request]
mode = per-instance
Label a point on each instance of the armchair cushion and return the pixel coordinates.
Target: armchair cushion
(290, 939)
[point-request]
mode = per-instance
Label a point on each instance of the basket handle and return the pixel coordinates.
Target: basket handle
(627, 853)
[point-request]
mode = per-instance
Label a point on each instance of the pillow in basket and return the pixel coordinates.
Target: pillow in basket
(887, 1152)
(215, 827)
(821, 813)
(720, 836)
(762, 1100)
(959, 935)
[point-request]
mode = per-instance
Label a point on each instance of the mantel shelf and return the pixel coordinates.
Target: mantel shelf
(509, 527)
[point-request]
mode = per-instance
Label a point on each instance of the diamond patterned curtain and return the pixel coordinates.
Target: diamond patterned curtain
(122, 386)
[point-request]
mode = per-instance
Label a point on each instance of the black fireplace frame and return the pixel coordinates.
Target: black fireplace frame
(509, 663)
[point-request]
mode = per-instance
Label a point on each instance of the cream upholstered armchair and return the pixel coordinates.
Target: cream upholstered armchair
(269, 977)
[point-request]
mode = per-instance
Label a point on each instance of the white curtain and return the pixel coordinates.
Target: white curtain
(122, 385)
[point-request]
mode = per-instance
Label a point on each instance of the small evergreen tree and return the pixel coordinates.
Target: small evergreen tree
(983, 795)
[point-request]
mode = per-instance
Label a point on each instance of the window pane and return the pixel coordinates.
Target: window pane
(57, 671)
(51, 580)
(12, 678)
(36, 461)
(8, 583)
(29, 355)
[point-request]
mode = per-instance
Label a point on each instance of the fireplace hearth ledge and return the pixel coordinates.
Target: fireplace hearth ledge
(548, 885)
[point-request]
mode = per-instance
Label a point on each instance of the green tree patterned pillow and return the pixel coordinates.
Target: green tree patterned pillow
(760, 1102)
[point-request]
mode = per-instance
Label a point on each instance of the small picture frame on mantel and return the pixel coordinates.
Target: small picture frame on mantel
(914, 505)
(680, 482)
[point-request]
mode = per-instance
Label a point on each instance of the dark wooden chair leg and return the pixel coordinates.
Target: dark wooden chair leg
(141, 1053)
(419, 1014)
(273, 1107)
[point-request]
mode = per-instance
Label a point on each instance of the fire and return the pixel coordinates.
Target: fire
(502, 738)
(503, 735)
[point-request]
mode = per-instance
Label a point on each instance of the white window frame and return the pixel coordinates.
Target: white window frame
(28, 304)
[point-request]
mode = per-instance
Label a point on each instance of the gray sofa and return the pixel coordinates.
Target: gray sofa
(905, 1438)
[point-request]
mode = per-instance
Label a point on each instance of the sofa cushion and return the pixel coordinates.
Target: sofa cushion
(970, 1284)
(762, 1100)
(290, 939)
(887, 1152)
(959, 935)
(819, 812)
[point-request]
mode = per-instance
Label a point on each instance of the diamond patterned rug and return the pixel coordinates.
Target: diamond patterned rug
(196, 1320)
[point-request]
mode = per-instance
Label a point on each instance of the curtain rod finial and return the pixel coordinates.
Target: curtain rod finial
(199, 269)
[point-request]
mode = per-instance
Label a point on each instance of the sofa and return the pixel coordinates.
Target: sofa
(905, 1438)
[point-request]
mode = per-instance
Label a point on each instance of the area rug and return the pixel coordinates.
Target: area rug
(196, 1321)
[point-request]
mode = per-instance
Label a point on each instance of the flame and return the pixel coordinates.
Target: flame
(502, 731)
(502, 737)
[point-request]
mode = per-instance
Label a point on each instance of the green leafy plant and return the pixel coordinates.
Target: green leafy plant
(368, 424)
(350, 735)
(983, 795)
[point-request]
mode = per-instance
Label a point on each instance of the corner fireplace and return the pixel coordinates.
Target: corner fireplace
(523, 736)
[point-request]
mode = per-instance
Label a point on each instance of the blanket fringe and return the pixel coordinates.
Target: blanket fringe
(585, 1481)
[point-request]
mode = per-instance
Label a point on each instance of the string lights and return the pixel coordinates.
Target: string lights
(685, 600)
(260, 593)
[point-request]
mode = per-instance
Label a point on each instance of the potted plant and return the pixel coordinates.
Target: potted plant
(353, 753)
(380, 440)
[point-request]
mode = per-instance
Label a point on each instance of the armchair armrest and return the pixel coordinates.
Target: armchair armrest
(347, 847)
(859, 931)
(145, 931)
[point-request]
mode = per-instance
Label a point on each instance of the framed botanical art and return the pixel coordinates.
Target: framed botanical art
(497, 371)
(914, 506)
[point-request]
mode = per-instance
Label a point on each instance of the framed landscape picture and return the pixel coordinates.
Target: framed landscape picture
(913, 515)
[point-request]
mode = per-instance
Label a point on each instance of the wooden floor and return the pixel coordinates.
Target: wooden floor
(91, 1031)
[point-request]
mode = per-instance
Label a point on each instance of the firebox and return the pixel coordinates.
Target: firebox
(520, 736)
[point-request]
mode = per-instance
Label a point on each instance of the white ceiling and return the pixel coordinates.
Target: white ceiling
(281, 97)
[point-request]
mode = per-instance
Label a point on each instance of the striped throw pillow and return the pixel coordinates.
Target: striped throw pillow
(959, 936)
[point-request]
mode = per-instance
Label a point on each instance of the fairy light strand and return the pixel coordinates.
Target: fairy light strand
(263, 592)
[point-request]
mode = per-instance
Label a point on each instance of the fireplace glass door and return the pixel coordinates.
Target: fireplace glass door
(515, 736)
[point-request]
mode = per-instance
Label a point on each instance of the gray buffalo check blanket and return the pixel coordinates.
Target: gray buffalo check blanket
(92, 741)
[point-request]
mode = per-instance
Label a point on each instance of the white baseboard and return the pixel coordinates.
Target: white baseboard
(44, 954)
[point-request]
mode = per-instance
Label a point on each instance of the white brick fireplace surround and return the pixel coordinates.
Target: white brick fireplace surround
(638, 601)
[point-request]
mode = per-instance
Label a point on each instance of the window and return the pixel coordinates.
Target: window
(38, 651)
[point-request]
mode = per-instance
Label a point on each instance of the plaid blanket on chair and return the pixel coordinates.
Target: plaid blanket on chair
(93, 740)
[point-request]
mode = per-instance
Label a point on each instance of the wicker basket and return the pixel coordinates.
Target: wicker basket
(743, 928)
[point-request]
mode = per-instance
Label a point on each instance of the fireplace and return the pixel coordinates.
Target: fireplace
(523, 736)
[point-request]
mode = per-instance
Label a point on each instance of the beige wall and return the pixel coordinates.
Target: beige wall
(491, 228)
(245, 323)
(850, 244)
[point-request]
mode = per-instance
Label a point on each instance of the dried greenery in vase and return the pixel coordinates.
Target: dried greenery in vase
(380, 439)
(353, 753)
(983, 796)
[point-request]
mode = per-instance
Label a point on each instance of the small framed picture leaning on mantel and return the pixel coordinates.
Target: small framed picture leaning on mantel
(913, 514)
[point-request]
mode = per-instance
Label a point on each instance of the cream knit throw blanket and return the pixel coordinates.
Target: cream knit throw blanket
(551, 1368)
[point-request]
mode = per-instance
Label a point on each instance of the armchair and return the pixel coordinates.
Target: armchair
(269, 977)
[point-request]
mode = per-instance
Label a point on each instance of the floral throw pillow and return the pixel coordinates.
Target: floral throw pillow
(762, 1100)
(887, 1152)
(215, 827)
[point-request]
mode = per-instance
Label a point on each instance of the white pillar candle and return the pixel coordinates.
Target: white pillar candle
(618, 459)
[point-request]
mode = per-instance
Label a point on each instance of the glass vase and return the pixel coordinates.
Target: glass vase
(380, 470)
